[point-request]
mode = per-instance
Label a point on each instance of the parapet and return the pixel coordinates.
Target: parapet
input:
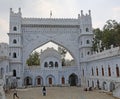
(52, 21)
(89, 13)
(49, 21)
(17, 13)
(105, 54)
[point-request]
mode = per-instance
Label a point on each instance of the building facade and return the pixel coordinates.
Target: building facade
(98, 70)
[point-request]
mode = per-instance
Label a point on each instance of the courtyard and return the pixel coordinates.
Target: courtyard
(60, 93)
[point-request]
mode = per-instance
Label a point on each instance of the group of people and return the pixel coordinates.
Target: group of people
(15, 93)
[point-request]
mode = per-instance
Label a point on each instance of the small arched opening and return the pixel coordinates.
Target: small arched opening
(14, 73)
(14, 41)
(14, 28)
(14, 55)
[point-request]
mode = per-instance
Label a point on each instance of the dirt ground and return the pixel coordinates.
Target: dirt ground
(59, 93)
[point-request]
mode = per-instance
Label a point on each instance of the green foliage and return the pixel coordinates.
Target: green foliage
(63, 52)
(96, 40)
(34, 59)
(110, 35)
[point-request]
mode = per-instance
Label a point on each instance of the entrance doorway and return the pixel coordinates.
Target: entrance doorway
(50, 81)
(28, 81)
(73, 79)
(63, 80)
(39, 81)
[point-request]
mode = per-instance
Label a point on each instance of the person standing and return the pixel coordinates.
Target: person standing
(44, 91)
(15, 94)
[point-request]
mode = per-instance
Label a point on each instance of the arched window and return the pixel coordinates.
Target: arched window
(46, 64)
(98, 84)
(14, 73)
(56, 64)
(117, 70)
(2, 72)
(102, 71)
(14, 28)
(80, 30)
(14, 55)
(93, 84)
(14, 41)
(83, 72)
(9, 54)
(92, 72)
(63, 80)
(50, 64)
(88, 83)
(88, 53)
(81, 55)
(88, 42)
(87, 30)
(97, 71)
(7, 69)
(109, 71)
(81, 42)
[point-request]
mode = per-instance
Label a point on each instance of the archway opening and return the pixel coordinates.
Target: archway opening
(98, 84)
(112, 86)
(28, 81)
(63, 80)
(50, 80)
(104, 85)
(73, 79)
(39, 81)
(66, 57)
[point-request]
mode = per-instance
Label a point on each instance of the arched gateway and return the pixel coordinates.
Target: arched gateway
(27, 34)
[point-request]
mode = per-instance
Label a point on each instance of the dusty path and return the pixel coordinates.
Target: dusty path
(59, 93)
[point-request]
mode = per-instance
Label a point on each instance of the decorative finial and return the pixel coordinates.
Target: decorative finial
(10, 9)
(89, 12)
(19, 10)
(50, 13)
(78, 16)
(81, 12)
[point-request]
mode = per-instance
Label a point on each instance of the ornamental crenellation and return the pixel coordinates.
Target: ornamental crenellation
(102, 55)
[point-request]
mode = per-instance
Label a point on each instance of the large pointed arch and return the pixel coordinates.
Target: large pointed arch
(36, 44)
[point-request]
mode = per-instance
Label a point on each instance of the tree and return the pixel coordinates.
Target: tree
(108, 38)
(110, 35)
(110, 25)
(96, 44)
(117, 35)
(63, 52)
(34, 59)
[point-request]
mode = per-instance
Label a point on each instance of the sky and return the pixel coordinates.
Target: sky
(101, 10)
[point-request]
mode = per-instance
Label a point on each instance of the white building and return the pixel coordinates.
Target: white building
(100, 70)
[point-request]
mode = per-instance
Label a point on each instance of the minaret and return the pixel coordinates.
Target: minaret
(86, 35)
(15, 44)
(85, 44)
